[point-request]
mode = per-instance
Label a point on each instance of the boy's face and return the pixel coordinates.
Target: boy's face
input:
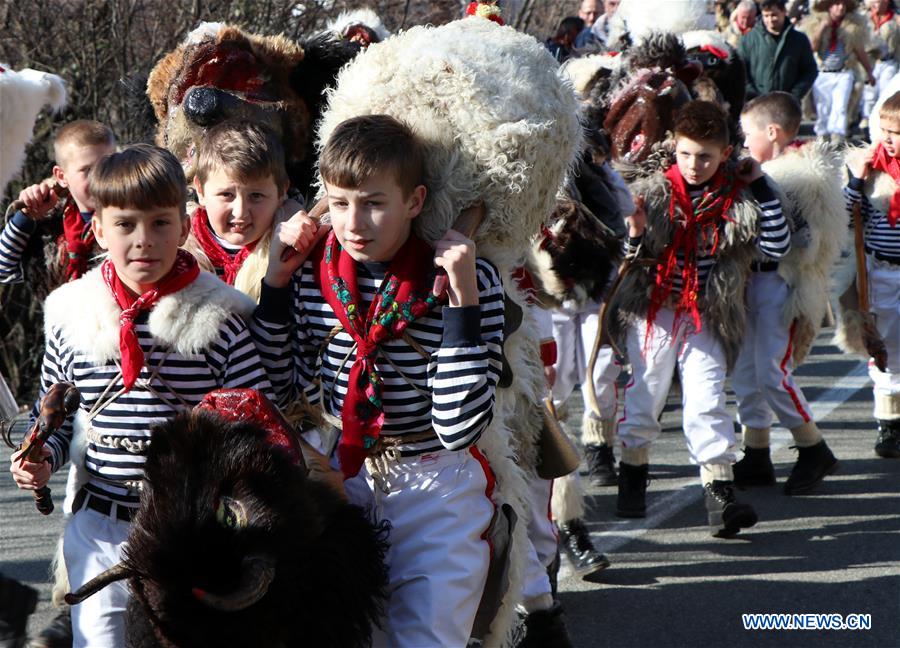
(142, 244)
(373, 221)
(239, 212)
(698, 160)
(837, 11)
(890, 136)
(74, 166)
(758, 139)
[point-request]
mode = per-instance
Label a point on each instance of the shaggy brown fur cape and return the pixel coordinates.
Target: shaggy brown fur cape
(722, 304)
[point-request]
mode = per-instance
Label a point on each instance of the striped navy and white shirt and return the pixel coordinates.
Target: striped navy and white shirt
(773, 241)
(451, 391)
(230, 361)
(13, 241)
(881, 239)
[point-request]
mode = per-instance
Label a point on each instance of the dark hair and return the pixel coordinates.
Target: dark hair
(364, 146)
(141, 176)
(768, 5)
(243, 149)
(781, 108)
(703, 121)
(569, 25)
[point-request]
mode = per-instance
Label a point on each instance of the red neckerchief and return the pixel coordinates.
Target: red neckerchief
(79, 237)
(402, 298)
(832, 44)
(183, 272)
(217, 255)
(690, 223)
(890, 165)
(878, 21)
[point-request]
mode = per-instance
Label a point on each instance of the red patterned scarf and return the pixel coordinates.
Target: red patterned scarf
(183, 272)
(690, 224)
(217, 255)
(79, 238)
(890, 165)
(401, 299)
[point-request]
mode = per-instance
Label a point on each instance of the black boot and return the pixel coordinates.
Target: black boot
(813, 463)
(17, 602)
(755, 469)
(631, 502)
(545, 629)
(576, 542)
(726, 515)
(553, 574)
(888, 444)
(58, 633)
(601, 464)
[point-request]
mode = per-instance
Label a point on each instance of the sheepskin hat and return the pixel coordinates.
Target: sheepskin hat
(365, 17)
(498, 123)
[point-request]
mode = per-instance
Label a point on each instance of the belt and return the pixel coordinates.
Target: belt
(387, 445)
(884, 257)
(764, 266)
(833, 71)
(102, 506)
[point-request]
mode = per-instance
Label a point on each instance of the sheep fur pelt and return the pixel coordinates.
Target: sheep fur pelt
(809, 178)
(498, 125)
(22, 96)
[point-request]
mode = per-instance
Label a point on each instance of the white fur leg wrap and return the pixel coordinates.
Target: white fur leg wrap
(567, 502)
(887, 407)
(598, 431)
(710, 472)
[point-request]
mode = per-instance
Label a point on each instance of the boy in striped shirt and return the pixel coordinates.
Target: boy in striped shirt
(682, 304)
(763, 378)
(143, 336)
(351, 322)
(874, 178)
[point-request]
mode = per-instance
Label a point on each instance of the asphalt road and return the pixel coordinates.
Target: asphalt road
(671, 583)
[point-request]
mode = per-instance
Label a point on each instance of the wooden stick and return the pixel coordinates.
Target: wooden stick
(316, 213)
(862, 275)
(467, 224)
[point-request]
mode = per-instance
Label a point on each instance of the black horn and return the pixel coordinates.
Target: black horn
(257, 574)
(115, 573)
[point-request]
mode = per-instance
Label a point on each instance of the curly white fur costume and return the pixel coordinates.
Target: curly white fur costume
(498, 125)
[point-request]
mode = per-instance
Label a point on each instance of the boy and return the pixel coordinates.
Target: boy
(679, 298)
(412, 394)
(241, 185)
(874, 175)
(884, 44)
(763, 376)
(77, 148)
(836, 39)
(142, 336)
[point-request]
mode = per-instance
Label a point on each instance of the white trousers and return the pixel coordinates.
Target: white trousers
(700, 361)
(574, 332)
(543, 537)
(93, 543)
(439, 508)
(884, 300)
(831, 92)
(883, 72)
(763, 378)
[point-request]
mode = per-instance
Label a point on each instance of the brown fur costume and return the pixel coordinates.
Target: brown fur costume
(222, 72)
(722, 304)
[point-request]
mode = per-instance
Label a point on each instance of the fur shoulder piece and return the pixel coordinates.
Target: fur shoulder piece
(187, 321)
(584, 69)
(810, 181)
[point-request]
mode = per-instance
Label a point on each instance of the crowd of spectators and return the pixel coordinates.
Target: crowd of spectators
(836, 56)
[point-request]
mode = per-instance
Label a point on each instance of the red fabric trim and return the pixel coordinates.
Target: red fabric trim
(217, 255)
(878, 21)
(488, 491)
(79, 239)
(718, 52)
(784, 382)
